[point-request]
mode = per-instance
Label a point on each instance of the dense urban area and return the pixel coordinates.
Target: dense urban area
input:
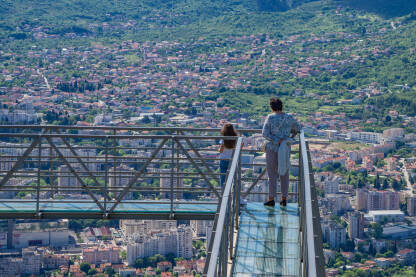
(347, 74)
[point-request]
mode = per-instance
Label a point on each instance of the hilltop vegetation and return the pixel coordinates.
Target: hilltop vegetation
(361, 43)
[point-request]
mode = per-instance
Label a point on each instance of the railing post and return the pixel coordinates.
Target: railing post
(106, 174)
(114, 159)
(51, 178)
(171, 173)
(238, 191)
(38, 176)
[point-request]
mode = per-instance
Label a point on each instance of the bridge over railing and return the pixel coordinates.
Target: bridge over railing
(155, 173)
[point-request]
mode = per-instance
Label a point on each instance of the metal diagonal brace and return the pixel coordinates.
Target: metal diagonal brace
(84, 186)
(20, 161)
(84, 166)
(137, 175)
(197, 167)
(188, 141)
(245, 194)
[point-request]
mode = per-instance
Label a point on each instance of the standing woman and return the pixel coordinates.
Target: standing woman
(279, 128)
(226, 149)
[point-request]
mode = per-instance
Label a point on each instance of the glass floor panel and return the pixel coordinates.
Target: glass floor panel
(124, 207)
(268, 241)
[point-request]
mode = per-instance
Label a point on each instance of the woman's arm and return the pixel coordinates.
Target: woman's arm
(221, 148)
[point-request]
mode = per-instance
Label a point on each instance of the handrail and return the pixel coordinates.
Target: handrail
(223, 211)
(127, 128)
(308, 209)
(311, 241)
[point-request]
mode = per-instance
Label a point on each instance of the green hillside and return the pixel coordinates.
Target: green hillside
(369, 43)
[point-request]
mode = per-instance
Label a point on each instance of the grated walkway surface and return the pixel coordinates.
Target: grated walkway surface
(268, 241)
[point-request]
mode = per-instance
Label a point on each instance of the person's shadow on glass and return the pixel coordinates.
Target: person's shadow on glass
(271, 260)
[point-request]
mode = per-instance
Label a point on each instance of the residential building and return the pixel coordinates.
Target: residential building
(411, 205)
(97, 255)
(377, 200)
(334, 234)
(184, 242)
(367, 137)
(166, 182)
(32, 261)
(355, 225)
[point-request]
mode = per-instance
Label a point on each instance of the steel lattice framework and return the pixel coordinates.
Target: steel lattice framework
(149, 173)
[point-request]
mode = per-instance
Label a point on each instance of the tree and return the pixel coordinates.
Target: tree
(377, 230)
(110, 271)
(377, 182)
(385, 184)
(139, 263)
(85, 267)
(396, 185)
(123, 254)
(146, 120)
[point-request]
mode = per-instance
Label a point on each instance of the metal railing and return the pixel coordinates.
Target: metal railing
(111, 167)
(222, 245)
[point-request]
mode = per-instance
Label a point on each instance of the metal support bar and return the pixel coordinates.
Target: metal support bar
(81, 162)
(20, 161)
(197, 167)
(247, 192)
(136, 176)
(75, 173)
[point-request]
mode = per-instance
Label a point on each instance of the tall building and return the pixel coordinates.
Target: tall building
(377, 200)
(166, 182)
(67, 181)
(361, 200)
(120, 178)
(184, 242)
(175, 241)
(32, 261)
(331, 186)
(411, 205)
(201, 227)
(337, 203)
(334, 234)
(355, 225)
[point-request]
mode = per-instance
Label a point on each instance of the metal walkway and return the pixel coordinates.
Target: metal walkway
(125, 210)
(99, 172)
(268, 241)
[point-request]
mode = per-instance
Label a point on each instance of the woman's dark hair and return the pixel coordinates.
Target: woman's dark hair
(228, 130)
(276, 104)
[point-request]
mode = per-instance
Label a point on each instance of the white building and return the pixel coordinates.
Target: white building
(367, 137)
(132, 227)
(184, 242)
(149, 245)
(388, 215)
